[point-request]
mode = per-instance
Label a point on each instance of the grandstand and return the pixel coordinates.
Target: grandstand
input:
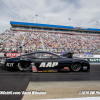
(30, 37)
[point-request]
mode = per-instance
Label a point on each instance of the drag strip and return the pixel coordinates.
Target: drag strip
(11, 80)
(65, 89)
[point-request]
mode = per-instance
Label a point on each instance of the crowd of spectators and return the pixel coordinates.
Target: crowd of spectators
(10, 40)
(32, 40)
(18, 41)
(50, 41)
(79, 42)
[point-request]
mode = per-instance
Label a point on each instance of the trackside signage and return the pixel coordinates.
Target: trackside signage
(86, 56)
(93, 60)
(13, 54)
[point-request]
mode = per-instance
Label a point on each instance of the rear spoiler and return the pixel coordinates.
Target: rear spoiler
(68, 54)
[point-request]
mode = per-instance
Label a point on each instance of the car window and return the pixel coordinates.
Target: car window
(45, 55)
(28, 56)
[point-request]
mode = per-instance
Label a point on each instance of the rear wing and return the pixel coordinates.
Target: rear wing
(68, 54)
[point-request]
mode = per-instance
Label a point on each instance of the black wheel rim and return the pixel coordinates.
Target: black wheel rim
(24, 66)
(76, 67)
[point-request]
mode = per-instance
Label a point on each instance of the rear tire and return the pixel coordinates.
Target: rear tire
(76, 67)
(24, 66)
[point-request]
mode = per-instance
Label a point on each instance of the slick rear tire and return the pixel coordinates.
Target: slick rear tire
(24, 66)
(76, 67)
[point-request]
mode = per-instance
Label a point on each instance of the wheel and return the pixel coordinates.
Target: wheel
(76, 67)
(24, 66)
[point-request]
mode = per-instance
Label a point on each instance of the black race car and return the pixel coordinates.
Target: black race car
(44, 60)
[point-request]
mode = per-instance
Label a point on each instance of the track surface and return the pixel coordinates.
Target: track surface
(18, 81)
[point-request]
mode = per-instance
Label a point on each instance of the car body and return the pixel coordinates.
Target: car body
(44, 60)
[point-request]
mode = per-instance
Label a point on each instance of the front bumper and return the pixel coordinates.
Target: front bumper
(86, 66)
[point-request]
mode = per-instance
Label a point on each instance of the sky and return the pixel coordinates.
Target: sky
(82, 13)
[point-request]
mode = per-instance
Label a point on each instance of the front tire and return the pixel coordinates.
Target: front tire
(24, 66)
(76, 67)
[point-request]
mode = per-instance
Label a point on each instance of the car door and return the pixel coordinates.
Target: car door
(66, 62)
(47, 61)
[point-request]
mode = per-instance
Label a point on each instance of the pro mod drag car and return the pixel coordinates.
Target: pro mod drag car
(43, 60)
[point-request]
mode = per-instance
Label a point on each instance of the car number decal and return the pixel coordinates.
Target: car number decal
(49, 64)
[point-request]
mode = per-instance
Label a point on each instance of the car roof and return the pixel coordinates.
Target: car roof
(39, 52)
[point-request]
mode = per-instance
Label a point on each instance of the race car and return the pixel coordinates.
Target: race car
(44, 60)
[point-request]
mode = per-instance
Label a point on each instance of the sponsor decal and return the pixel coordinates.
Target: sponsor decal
(49, 64)
(49, 71)
(66, 68)
(84, 67)
(32, 63)
(45, 71)
(9, 64)
(40, 71)
(34, 69)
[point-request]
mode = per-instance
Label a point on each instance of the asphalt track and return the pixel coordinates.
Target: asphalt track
(11, 80)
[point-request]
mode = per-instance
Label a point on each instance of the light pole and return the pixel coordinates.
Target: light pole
(69, 20)
(36, 18)
(97, 23)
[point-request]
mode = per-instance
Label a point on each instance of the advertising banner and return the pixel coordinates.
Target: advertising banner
(1, 54)
(13, 54)
(86, 56)
(93, 60)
